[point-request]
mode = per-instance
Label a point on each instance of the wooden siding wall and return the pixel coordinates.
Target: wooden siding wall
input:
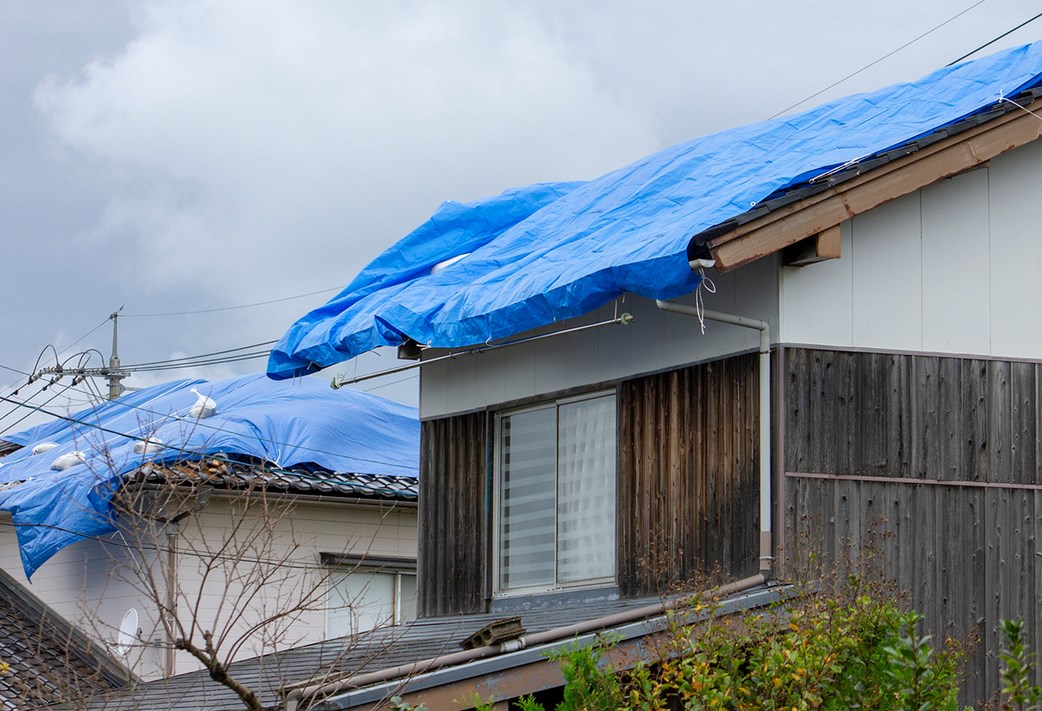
(934, 462)
(453, 515)
(688, 475)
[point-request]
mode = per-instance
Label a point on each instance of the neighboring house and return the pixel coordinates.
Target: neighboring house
(870, 362)
(424, 662)
(47, 658)
(286, 517)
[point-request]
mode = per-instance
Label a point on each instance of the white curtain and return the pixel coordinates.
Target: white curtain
(526, 523)
(586, 490)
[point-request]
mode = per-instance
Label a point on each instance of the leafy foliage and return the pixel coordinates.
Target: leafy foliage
(813, 652)
(1017, 668)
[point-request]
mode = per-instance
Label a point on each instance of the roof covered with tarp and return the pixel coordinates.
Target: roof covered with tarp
(548, 252)
(283, 424)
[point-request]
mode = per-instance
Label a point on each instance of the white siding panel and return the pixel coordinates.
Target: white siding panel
(1016, 253)
(956, 282)
(817, 300)
(92, 583)
(952, 268)
(887, 276)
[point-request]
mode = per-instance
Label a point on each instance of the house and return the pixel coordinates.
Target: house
(423, 662)
(285, 516)
(47, 658)
(784, 338)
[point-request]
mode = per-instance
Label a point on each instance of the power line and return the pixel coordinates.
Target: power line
(993, 41)
(240, 306)
(198, 423)
(68, 347)
(187, 552)
(203, 355)
(14, 370)
(885, 56)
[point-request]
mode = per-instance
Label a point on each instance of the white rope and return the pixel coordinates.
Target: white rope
(709, 287)
(1022, 108)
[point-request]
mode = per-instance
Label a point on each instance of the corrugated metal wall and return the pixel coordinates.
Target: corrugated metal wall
(932, 462)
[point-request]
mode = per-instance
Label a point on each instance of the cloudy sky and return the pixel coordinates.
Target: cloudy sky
(173, 157)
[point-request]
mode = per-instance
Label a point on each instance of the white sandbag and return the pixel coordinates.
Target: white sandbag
(148, 446)
(44, 447)
(68, 460)
(203, 407)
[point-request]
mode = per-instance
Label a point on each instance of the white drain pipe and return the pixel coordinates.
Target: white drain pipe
(766, 552)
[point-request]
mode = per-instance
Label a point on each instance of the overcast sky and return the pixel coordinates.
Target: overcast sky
(198, 155)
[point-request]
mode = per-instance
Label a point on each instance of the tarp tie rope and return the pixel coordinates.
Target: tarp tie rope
(709, 286)
(1019, 106)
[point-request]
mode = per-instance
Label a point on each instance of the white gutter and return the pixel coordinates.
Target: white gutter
(766, 552)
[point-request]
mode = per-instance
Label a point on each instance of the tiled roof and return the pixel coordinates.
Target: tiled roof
(49, 660)
(228, 473)
(233, 472)
(335, 659)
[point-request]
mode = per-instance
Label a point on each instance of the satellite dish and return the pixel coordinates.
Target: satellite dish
(128, 633)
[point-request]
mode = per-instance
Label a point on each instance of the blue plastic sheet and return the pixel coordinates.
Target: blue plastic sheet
(550, 252)
(286, 424)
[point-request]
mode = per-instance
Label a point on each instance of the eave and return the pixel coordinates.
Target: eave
(872, 182)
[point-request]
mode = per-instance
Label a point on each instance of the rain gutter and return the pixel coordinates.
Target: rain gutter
(766, 543)
(295, 698)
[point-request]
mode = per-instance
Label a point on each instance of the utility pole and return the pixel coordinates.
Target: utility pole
(113, 372)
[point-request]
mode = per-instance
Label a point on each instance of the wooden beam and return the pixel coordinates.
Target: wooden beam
(818, 213)
(813, 249)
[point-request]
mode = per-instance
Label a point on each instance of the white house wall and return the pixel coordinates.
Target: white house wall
(952, 268)
(92, 583)
(299, 537)
(656, 340)
(79, 584)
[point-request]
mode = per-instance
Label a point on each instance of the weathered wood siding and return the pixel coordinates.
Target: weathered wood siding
(453, 515)
(933, 462)
(688, 468)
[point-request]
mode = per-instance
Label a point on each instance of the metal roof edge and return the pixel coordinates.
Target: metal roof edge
(697, 246)
(757, 597)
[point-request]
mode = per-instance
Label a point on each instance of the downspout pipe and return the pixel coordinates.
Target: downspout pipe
(766, 542)
(297, 696)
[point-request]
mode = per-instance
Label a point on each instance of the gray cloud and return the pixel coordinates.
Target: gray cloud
(206, 153)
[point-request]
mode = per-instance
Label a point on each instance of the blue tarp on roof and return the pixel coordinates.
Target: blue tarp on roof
(286, 424)
(549, 252)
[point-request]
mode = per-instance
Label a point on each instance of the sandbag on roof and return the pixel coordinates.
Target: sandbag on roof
(286, 424)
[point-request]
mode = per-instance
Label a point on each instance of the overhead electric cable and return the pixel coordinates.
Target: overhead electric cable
(393, 382)
(198, 363)
(996, 39)
(68, 347)
(29, 414)
(240, 306)
(14, 370)
(201, 424)
(187, 552)
(202, 355)
(885, 56)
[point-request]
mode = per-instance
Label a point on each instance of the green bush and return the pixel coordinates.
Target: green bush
(813, 652)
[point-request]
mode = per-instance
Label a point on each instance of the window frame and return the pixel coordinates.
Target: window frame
(555, 403)
(340, 567)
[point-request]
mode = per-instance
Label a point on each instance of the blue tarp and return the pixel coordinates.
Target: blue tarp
(549, 252)
(286, 424)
